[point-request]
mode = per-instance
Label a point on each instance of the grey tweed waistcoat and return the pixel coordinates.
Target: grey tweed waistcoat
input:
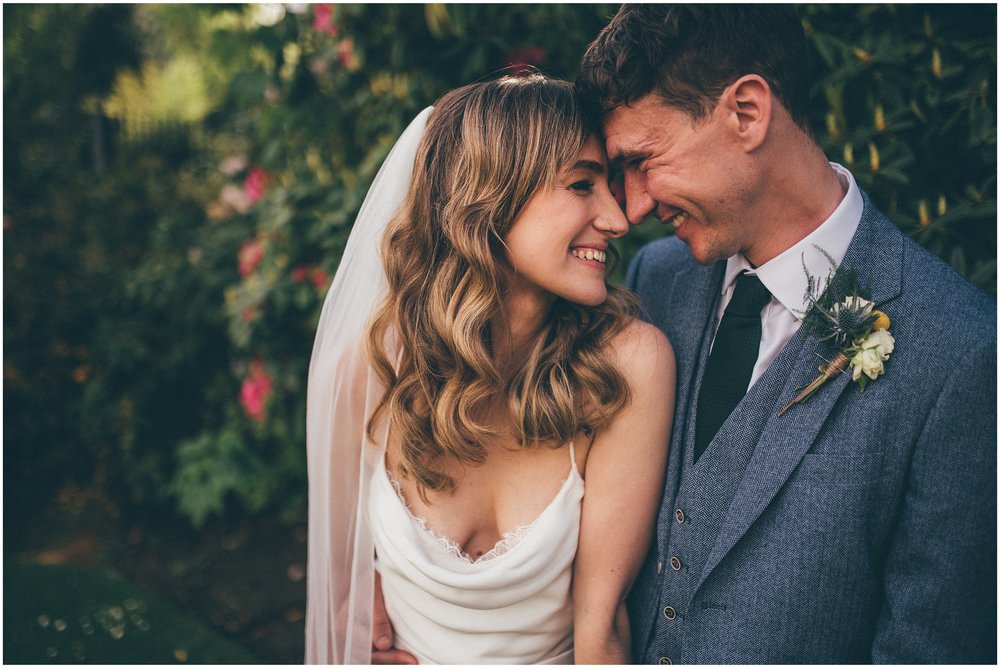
(705, 491)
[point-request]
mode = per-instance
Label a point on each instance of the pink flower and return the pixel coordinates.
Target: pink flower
(319, 279)
(255, 391)
(255, 185)
(233, 165)
(250, 255)
(233, 198)
(319, 66)
(323, 19)
(522, 59)
(300, 274)
(250, 313)
(345, 54)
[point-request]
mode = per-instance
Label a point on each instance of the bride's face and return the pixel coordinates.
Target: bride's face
(558, 244)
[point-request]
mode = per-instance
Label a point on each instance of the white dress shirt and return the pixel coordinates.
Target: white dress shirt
(784, 277)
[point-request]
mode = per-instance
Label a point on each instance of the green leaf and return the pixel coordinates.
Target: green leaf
(984, 273)
(957, 260)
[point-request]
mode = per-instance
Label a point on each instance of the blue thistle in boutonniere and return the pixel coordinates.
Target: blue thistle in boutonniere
(840, 312)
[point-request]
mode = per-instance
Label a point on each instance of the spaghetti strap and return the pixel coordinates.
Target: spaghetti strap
(572, 455)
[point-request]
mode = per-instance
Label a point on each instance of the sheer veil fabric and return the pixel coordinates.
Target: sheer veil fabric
(343, 391)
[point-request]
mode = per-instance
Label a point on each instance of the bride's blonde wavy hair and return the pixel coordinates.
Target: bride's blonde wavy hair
(487, 148)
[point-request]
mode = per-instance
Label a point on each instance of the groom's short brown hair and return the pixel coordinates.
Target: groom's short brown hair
(688, 54)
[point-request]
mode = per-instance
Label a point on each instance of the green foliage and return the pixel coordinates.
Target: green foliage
(57, 227)
(905, 97)
(209, 467)
(165, 264)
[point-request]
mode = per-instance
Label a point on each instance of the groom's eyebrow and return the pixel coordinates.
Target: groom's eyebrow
(592, 165)
(619, 160)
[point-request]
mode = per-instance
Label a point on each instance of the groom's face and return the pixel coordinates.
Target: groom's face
(690, 174)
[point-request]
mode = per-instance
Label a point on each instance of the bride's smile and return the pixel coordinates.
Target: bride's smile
(558, 245)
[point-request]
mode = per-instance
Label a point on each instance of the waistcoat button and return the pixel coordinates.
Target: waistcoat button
(669, 613)
(679, 516)
(665, 661)
(675, 563)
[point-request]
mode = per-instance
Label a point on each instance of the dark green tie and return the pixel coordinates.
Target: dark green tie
(727, 374)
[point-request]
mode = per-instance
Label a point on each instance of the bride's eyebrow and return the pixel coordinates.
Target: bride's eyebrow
(591, 165)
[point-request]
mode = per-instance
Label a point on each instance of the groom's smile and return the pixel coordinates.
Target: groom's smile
(675, 220)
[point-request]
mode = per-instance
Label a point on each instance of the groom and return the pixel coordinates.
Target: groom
(854, 528)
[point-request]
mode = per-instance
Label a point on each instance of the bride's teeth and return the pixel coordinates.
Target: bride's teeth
(590, 254)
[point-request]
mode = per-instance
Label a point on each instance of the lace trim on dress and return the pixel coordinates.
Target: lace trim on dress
(509, 541)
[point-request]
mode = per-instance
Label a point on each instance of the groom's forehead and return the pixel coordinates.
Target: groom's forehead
(629, 134)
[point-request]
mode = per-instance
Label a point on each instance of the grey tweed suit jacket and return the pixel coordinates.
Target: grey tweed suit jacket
(856, 528)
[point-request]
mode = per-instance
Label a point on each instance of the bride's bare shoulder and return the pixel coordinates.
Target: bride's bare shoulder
(641, 349)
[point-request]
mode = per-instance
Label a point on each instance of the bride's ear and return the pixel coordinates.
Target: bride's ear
(747, 103)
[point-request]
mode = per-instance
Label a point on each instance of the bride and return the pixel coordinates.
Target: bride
(469, 382)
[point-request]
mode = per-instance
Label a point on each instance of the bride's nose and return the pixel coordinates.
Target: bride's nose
(611, 219)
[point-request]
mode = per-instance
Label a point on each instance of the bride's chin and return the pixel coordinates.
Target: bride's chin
(596, 299)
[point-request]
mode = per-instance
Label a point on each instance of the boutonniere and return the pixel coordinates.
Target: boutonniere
(839, 312)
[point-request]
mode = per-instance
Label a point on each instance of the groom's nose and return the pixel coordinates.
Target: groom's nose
(638, 203)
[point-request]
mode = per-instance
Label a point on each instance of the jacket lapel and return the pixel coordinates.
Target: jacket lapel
(693, 298)
(877, 253)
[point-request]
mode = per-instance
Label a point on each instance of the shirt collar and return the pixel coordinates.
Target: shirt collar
(783, 275)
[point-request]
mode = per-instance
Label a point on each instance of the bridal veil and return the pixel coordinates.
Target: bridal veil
(343, 392)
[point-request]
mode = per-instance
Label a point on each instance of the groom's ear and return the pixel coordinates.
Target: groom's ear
(747, 103)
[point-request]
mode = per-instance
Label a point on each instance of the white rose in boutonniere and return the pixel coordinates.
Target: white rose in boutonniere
(880, 340)
(868, 362)
(873, 350)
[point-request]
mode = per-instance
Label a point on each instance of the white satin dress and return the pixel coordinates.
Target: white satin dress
(510, 606)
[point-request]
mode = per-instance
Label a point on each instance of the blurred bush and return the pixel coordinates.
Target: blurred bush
(906, 99)
(170, 229)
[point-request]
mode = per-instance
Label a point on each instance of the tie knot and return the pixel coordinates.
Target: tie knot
(749, 296)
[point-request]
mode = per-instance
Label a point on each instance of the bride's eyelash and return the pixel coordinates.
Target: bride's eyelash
(582, 186)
